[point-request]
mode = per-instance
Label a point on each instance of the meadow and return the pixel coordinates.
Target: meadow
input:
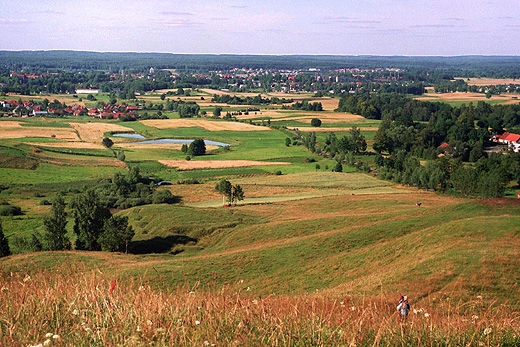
(310, 257)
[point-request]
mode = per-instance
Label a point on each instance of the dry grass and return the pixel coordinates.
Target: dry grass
(98, 309)
(489, 81)
(216, 164)
(94, 132)
(202, 123)
(467, 97)
(13, 129)
(69, 144)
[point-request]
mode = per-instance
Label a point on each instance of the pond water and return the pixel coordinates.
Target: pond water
(130, 136)
(166, 141)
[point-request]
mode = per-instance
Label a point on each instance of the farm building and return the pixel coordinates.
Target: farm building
(510, 139)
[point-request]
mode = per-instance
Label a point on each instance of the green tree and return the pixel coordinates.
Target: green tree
(89, 218)
(55, 226)
(225, 188)
(237, 194)
(288, 141)
(197, 147)
(116, 234)
(217, 112)
(316, 122)
(107, 142)
(4, 243)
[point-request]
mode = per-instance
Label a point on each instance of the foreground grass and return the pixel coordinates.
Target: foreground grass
(97, 309)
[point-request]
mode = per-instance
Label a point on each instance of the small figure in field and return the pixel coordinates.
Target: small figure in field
(418, 204)
(403, 307)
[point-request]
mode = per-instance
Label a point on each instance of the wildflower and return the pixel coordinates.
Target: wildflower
(47, 342)
(27, 278)
(149, 322)
(415, 311)
(248, 289)
(75, 312)
(426, 315)
(55, 337)
(48, 335)
(479, 297)
(5, 289)
(255, 302)
(206, 343)
(112, 287)
(488, 331)
(353, 308)
(141, 288)
(197, 322)
(138, 328)
(474, 317)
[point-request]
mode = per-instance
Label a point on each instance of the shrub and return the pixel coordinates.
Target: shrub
(278, 172)
(316, 122)
(10, 210)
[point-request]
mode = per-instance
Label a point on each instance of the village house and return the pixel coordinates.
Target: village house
(511, 140)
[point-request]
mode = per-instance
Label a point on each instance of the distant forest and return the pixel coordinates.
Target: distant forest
(449, 67)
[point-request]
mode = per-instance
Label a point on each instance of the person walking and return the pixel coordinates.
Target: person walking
(403, 307)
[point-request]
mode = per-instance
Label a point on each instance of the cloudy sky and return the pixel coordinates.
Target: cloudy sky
(342, 27)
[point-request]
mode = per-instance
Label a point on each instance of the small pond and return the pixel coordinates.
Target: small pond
(167, 141)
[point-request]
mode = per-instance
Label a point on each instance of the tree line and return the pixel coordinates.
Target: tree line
(411, 130)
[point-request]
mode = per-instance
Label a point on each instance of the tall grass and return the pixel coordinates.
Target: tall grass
(77, 307)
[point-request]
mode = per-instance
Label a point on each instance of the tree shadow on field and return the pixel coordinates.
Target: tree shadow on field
(158, 244)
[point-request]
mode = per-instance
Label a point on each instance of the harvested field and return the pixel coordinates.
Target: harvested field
(216, 164)
(489, 81)
(467, 97)
(329, 130)
(202, 123)
(13, 129)
(76, 144)
(93, 132)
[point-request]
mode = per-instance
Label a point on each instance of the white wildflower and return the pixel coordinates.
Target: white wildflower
(47, 342)
(474, 317)
(138, 329)
(27, 278)
(75, 312)
(141, 288)
(197, 322)
(353, 308)
(479, 297)
(206, 343)
(48, 335)
(488, 331)
(149, 322)
(415, 311)
(426, 315)
(56, 337)
(255, 302)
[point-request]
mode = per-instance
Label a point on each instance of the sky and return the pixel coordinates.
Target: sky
(268, 27)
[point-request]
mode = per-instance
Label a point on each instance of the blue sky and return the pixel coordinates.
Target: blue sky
(349, 27)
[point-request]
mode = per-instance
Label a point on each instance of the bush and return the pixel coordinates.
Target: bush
(278, 172)
(45, 202)
(163, 197)
(10, 210)
(316, 122)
